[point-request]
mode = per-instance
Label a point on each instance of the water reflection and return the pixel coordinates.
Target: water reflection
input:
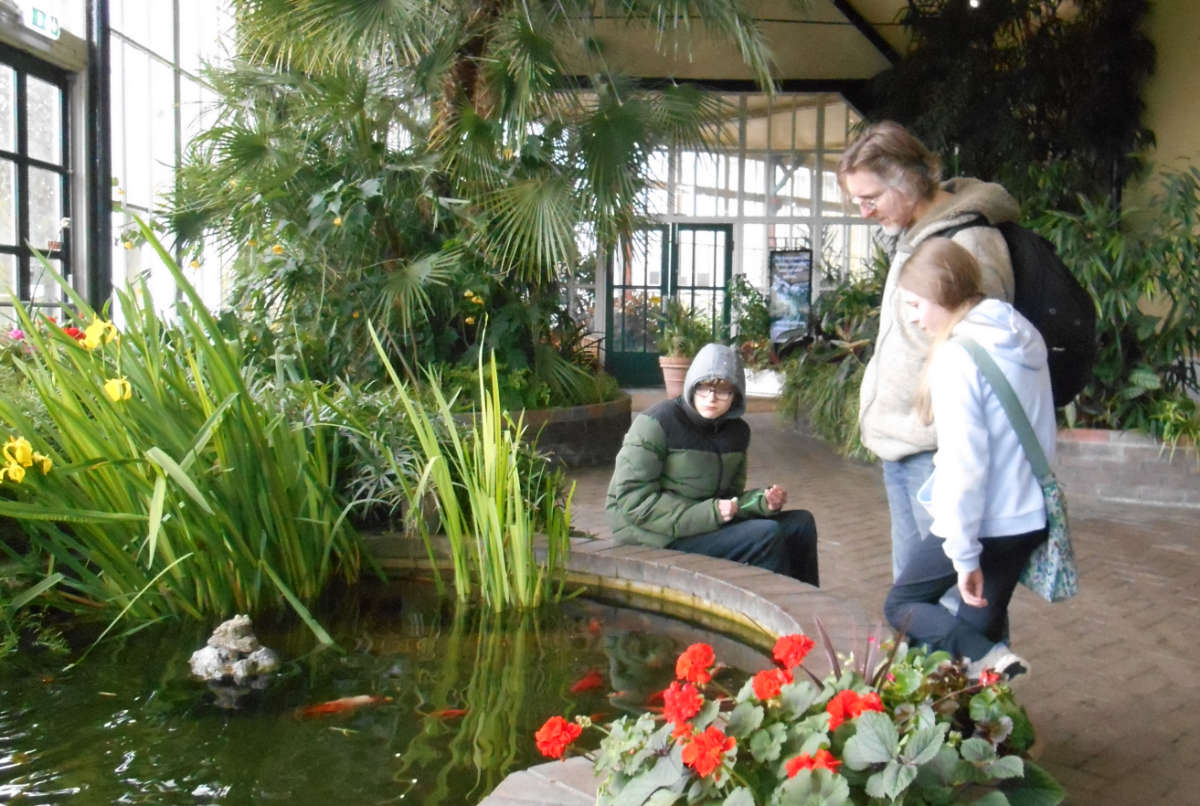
(467, 690)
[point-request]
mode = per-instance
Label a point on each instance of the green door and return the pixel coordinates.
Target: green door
(689, 261)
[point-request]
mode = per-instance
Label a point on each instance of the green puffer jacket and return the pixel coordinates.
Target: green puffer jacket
(674, 463)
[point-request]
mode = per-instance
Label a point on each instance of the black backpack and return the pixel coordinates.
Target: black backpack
(1048, 295)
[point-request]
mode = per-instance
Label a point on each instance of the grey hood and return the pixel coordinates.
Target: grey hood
(716, 362)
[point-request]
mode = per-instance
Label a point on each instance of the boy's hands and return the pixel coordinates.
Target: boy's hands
(727, 508)
(776, 497)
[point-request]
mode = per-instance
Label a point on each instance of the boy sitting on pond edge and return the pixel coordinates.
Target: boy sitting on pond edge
(680, 476)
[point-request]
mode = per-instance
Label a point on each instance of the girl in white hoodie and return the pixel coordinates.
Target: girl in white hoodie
(987, 506)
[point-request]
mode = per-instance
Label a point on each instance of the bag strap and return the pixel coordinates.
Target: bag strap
(1012, 407)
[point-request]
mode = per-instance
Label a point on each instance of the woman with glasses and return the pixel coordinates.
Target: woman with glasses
(680, 479)
(895, 181)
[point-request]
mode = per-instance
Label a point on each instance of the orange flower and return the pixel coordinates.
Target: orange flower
(695, 663)
(822, 760)
(681, 703)
(705, 751)
(848, 704)
(553, 737)
(790, 650)
(768, 682)
(988, 677)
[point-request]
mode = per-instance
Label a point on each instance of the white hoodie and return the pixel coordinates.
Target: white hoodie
(982, 484)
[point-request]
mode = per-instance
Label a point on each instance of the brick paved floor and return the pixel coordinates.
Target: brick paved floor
(1113, 689)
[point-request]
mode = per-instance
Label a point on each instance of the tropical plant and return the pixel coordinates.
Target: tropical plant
(898, 725)
(821, 380)
(1064, 84)
(494, 513)
(168, 483)
(753, 318)
(682, 330)
(414, 163)
(1143, 268)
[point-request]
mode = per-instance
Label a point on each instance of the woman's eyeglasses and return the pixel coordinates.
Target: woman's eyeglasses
(715, 392)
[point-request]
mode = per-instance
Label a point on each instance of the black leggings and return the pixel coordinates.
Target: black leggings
(912, 603)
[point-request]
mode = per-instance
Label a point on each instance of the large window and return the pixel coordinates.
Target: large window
(35, 172)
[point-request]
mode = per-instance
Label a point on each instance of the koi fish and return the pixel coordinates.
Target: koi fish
(594, 626)
(341, 705)
(448, 713)
(593, 679)
(653, 697)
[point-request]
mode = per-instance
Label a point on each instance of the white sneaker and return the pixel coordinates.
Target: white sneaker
(1000, 659)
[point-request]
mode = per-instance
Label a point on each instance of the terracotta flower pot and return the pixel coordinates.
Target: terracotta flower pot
(674, 370)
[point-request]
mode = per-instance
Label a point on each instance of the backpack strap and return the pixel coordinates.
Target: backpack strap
(1012, 406)
(976, 220)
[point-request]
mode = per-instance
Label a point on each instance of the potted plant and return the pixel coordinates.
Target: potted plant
(682, 331)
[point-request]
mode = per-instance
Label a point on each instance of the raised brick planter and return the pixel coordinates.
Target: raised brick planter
(1126, 467)
(582, 436)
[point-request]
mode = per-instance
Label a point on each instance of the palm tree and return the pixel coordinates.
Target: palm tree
(401, 153)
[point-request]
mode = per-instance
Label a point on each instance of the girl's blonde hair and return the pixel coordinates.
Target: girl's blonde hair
(943, 272)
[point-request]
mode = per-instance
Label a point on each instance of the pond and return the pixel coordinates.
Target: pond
(450, 699)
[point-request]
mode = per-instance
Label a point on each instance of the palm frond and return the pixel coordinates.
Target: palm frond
(531, 230)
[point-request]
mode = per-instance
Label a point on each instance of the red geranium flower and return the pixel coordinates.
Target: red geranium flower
(822, 760)
(988, 677)
(682, 729)
(694, 664)
(75, 333)
(681, 703)
(553, 737)
(790, 650)
(768, 682)
(706, 750)
(848, 704)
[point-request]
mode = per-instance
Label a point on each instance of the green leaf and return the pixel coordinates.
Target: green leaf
(746, 717)
(1006, 767)
(766, 744)
(992, 799)
(875, 741)
(891, 781)
(796, 698)
(741, 796)
(978, 750)
(923, 745)
(177, 474)
(814, 788)
(29, 594)
(667, 773)
(1038, 788)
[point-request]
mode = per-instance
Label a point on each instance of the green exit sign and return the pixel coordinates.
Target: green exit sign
(42, 22)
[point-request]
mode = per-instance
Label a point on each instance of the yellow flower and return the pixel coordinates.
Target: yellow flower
(337, 221)
(127, 244)
(117, 389)
(470, 320)
(15, 472)
(252, 242)
(44, 461)
(195, 264)
(97, 333)
(354, 315)
(478, 300)
(468, 294)
(277, 249)
(18, 451)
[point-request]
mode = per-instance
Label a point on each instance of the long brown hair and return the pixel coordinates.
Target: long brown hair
(943, 272)
(899, 159)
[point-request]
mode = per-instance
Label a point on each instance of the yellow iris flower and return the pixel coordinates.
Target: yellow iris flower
(15, 472)
(117, 389)
(18, 451)
(97, 333)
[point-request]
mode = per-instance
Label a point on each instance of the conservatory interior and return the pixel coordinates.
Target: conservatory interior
(324, 321)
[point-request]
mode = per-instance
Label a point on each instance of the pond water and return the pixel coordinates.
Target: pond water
(456, 696)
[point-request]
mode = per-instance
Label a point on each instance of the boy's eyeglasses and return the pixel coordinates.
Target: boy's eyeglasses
(715, 392)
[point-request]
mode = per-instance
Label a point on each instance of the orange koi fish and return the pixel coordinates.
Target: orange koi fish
(341, 705)
(593, 679)
(449, 713)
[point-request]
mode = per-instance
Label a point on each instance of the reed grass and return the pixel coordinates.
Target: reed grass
(195, 497)
(488, 498)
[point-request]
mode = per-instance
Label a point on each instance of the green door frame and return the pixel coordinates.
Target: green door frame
(690, 261)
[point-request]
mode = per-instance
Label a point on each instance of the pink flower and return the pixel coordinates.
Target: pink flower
(16, 334)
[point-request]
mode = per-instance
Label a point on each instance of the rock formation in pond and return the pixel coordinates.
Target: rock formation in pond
(233, 661)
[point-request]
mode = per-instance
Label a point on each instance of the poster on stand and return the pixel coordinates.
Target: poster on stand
(790, 300)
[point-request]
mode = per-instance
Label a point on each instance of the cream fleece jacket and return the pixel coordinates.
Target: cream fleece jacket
(889, 425)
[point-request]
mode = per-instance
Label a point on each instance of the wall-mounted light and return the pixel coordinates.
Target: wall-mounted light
(973, 3)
